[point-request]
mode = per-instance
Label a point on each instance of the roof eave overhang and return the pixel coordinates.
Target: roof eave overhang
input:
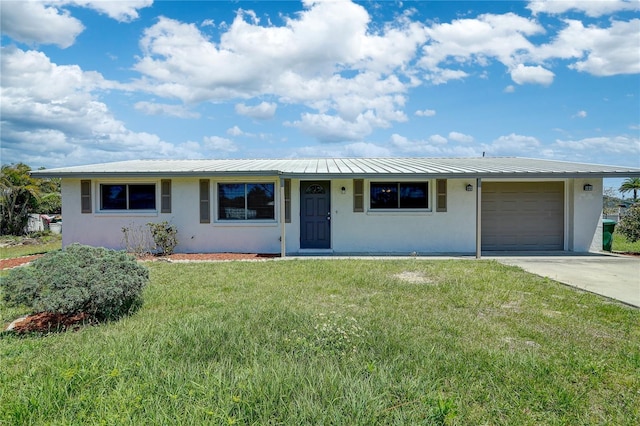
(469, 175)
(271, 173)
(150, 174)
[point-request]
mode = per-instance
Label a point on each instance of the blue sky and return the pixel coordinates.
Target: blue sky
(87, 81)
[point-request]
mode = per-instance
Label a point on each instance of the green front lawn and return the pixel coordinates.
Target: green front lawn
(622, 245)
(12, 246)
(358, 342)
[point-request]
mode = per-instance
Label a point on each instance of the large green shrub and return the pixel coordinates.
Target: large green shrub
(105, 284)
(629, 224)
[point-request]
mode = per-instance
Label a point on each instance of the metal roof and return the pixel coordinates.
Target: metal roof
(480, 167)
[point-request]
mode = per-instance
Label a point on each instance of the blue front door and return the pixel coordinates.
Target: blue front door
(315, 215)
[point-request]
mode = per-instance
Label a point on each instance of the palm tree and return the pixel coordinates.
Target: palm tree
(630, 184)
(19, 195)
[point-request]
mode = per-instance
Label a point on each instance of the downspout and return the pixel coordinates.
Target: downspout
(478, 218)
(283, 220)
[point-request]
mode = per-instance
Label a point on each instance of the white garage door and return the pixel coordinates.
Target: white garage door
(522, 216)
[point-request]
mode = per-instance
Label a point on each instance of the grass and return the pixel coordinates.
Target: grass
(11, 246)
(359, 342)
(623, 245)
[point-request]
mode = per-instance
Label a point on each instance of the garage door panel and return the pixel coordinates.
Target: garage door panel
(523, 216)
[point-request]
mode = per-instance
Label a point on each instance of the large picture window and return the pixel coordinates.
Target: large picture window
(399, 195)
(246, 201)
(127, 197)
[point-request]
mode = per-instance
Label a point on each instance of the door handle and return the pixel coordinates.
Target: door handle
(329, 216)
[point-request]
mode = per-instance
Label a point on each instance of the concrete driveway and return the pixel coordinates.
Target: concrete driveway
(616, 277)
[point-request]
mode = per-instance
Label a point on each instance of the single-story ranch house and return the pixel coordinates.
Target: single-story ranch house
(342, 205)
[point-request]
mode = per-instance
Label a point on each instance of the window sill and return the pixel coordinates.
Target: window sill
(400, 212)
(127, 213)
(245, 223)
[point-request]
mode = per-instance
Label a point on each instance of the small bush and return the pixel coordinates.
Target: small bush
(629, 225)
(105, 284)
(137, 240)
(164, 236)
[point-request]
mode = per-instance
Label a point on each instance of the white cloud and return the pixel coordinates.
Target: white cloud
(356, 149)
(123, 11)
(438, 140)
(51, 116)
(35, 22)
(514, 145)
(219, 145)
(399, 140)
(235, 131)
(262, 111)
(464, 43)
(523, 74)
(433, 146)
(330, 129)
(590, 8)
(599, 51)
(622, 150)
(580, 114)
(509, 89)
(48, 22)
(477, 41)
(612, 51)
(616, 148)
(439, 76)
(460, 137)
(621, 145)
(325, 57)
(151, 108)
(426, 113)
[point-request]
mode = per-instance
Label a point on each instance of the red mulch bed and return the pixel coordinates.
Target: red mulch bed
(17, 261)
(211, 257)
(46, 322)
(180, 257)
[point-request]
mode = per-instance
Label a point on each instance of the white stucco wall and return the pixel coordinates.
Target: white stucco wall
(585, 215)
(395, 232)
(452, 231)
(105, 229)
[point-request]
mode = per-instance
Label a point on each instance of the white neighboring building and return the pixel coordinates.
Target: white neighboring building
(342, 206)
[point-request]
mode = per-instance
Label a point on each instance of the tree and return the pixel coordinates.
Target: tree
(629, 185)
(20, 194)
(629, 225)
(19, 197)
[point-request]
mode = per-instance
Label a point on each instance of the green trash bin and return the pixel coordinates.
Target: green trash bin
(608, 226)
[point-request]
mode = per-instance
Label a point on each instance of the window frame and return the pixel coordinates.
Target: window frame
(127, 209)
(399, 209)
(275, 189)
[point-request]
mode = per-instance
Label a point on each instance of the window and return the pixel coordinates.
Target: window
(127, 197)
(441, 195)
(85, 196)
(165, 196)
(246, 201)
(399, 195)
(358, 195)
(205, 206)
